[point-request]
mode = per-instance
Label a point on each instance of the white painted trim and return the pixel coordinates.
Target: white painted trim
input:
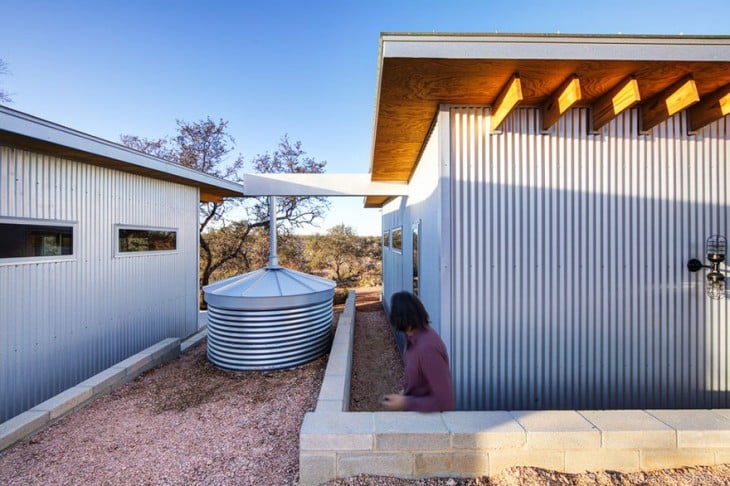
(319, 185)
(26, 125)
(580, 47)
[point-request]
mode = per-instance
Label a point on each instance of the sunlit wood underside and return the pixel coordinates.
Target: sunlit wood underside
(411, 89)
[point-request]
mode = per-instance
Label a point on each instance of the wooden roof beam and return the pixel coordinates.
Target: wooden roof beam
(619, 99)
(507, 101)
(710, 108)
(677, 97)
(561, 101)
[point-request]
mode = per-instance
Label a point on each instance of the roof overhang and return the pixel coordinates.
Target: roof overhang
(30, 133)
(419, 72)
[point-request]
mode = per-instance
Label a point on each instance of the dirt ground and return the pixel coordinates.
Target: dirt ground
(377, 367)
(188, 422)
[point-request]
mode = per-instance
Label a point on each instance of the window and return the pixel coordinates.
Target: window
(32, 239)
(386, 239)
(416, 230)
(396, 241)
(135, 240)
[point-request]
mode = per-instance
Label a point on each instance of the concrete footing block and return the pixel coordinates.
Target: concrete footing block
(21, 426)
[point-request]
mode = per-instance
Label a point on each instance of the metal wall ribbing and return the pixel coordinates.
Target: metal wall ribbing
(569, 251)
(63, 321)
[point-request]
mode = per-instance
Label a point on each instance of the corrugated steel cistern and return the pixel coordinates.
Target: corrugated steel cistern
(272, 318)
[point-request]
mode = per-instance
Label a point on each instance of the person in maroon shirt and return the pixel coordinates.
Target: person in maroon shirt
(427, 382)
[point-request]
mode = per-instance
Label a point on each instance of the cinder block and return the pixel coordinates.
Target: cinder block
(336, 431)
(631, 429)
(194, 340)
(106, 380)
(410, 431)
(163, 348)
(672, 458)
(569, 429)
(330, 406)
(64, 402)
(395, 464)
(601, 460)
(499, 460)
(697, 428)
(484, 430)
(333, 387)
(451, 464)
(135, 363)
(338, 362)
(316, 469)
(725, 412)
(21, 426)
(722, 456)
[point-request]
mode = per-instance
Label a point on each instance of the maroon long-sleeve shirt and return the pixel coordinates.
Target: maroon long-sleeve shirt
(427, 382)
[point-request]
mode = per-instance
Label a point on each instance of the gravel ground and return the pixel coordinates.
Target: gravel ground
(378, 369)
(188, 422)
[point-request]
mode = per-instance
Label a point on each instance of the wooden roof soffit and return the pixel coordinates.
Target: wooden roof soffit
(677, 97)
(712, 107)
(208, 197)
(508, 99)
(619, 99)
(561, 101)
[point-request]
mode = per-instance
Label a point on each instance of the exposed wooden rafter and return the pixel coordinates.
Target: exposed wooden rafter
(508, 99)
(619, 99)
(677, 97)
(561, 101)
(710, 108)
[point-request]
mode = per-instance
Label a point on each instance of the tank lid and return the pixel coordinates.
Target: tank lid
(270, 281)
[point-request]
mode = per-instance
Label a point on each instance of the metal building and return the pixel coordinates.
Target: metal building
(98, 255)
(558, 187)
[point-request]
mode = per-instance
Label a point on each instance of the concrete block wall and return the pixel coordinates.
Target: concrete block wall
(335, 443)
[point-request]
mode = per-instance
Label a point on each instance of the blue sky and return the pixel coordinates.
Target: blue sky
(306, 68)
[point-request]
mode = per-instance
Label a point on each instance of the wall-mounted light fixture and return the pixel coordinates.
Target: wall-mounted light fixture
(715, 249)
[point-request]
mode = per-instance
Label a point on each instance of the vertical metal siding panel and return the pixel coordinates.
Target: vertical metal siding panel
(68, 320)
(583, 240)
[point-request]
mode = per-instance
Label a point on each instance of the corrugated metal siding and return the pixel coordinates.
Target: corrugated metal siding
(569, 251)
(61, 322)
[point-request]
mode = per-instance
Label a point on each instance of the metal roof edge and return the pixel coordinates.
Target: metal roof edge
(556, 46)
(27, 125)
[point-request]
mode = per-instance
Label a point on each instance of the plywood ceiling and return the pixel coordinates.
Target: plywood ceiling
(411, 89)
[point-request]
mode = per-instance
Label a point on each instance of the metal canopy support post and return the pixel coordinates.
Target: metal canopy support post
(273, 256)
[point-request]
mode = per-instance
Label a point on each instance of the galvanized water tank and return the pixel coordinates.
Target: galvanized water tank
(271, 318)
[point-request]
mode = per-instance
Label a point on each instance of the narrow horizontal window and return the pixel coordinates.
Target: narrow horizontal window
(133, 240)
(23, 240)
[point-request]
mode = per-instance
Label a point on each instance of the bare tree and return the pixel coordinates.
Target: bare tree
(205, 146)
(4, 95)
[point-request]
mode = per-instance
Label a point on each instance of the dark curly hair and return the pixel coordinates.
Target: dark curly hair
(407, 312)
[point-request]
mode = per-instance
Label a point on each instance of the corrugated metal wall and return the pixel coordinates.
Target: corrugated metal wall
(569, 251)
(65, 321)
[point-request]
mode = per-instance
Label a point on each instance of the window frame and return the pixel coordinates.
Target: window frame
(129, 254)
(397, 229)
(73, 225)
(416, 254)
(386, 239)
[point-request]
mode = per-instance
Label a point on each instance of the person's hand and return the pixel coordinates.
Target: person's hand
(394, 401)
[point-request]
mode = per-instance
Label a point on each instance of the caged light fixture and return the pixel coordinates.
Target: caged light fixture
(715, 249)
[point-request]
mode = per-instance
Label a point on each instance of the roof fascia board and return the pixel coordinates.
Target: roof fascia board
(257, 185)
(29, 126)
(543, 47)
